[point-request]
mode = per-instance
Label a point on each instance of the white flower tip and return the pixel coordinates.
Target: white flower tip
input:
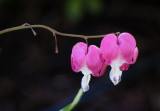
(116, 80)
(86, 88)
(85, 82)
(115, 75)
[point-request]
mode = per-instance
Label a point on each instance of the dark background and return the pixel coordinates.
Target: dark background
(34, 78)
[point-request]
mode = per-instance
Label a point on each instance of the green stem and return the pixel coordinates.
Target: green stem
(75, 101)
(24, 26)
(77, 98)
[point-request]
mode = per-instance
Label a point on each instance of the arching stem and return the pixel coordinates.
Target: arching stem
(26, 26)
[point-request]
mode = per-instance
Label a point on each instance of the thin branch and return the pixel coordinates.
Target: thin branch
(56, 43)
(24, 26)
(86, 41)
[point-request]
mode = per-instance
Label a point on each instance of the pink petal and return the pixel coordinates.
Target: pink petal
(101, 71)
(127, 45)
(135, 55)
(124, 67)
(109, 48)
(94, 62)
(78, 56)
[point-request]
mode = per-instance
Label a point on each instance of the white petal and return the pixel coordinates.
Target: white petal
(85, 70)
(85, 82)
(115, 75)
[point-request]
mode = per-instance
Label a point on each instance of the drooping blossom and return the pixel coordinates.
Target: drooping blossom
(118, 52)
(88, 62)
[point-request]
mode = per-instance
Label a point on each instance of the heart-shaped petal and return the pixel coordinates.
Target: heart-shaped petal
(94, 61)
(109, 48)
(127, 45)
(78, 56)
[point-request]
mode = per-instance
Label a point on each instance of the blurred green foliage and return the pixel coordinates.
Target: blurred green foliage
(76, 9)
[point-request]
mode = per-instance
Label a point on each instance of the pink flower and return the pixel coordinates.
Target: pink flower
(118, 52)
(86, 62)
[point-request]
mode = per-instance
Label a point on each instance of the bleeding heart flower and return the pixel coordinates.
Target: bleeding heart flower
(88, 63)
(118, 52)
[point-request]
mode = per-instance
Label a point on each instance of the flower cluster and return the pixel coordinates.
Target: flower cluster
(118, 52)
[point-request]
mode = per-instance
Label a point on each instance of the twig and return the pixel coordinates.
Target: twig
(24, 26)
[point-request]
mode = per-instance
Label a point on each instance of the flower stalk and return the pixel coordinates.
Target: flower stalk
(24, 26)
